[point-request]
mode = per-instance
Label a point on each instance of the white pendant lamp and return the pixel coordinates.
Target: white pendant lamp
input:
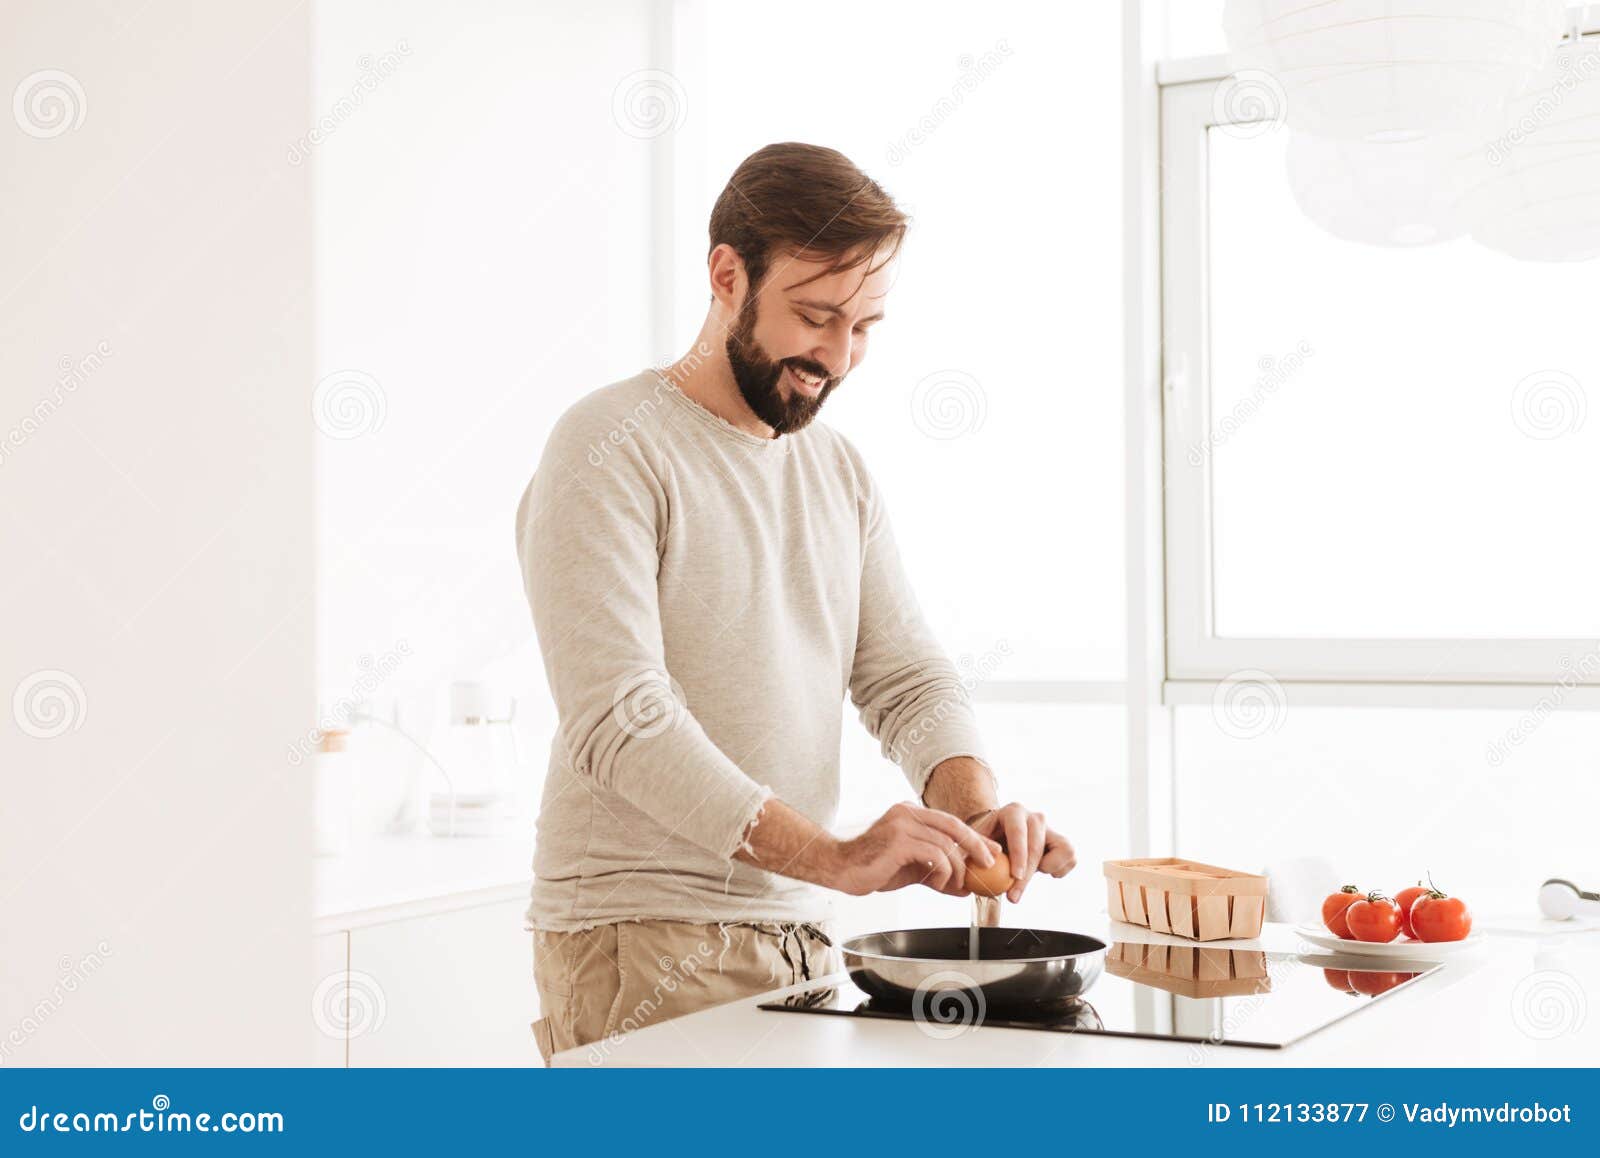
(1363, 69)
(1387, 192)
(1539, 196)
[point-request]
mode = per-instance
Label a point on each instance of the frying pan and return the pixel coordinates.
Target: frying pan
(1016, 969)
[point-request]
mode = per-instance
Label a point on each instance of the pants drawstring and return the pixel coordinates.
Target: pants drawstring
(805, 960)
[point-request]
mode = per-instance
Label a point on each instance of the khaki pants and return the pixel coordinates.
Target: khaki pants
(614, 979)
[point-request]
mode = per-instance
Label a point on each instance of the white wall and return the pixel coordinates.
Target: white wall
(483, 261)
(155, 515)
(989, 407)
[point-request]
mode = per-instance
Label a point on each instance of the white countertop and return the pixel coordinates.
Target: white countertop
(1462, 1015)
(394, 878)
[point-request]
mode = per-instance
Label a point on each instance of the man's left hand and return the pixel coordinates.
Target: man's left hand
(1031, 845)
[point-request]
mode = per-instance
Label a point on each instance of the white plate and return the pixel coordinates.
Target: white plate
(1401, 947)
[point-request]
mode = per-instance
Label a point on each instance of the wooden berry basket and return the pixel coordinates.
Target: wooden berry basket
(1186, 898)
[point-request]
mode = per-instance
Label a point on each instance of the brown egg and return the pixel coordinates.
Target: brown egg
(992, 881)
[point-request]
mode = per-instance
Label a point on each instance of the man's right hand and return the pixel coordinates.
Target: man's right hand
(908, 845)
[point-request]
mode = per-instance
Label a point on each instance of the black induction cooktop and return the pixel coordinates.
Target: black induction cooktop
(1186, 993)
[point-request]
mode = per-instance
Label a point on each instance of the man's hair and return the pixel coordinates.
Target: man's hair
(809, 199)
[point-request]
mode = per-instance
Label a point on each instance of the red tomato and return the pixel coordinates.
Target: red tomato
(1339, 979)
(1373, 983)
(1333, 908)
(1437, 917)
(1373, 918)
(1405, 898)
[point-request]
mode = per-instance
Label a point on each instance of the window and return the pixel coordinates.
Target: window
(1387, 486)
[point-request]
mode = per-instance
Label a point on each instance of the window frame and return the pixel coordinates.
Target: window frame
(1439, 671)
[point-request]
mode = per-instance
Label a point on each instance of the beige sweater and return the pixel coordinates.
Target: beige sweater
(704, 600)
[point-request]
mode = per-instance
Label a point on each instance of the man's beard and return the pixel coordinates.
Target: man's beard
(757, 377)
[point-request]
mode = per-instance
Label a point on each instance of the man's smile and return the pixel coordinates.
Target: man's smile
(808, 384)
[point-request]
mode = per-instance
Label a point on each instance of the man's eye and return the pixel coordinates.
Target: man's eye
(813, 323)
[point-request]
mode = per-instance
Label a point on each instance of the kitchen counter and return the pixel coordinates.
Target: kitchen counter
(1514, 1001)
(400, 877)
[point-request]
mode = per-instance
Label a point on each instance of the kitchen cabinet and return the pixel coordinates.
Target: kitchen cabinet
(331, 954)
(422, 956)
(451, 989)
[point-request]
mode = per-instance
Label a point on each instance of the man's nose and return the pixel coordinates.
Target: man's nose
(834, 355)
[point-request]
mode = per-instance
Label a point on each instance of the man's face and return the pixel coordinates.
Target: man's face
(796, 338)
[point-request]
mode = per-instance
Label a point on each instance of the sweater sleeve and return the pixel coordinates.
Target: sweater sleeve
(589, 527)
(910, 696)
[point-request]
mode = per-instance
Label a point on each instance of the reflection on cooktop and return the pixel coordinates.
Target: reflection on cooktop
(1189, 993)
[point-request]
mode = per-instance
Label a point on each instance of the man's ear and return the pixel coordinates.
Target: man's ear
(728, 280)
